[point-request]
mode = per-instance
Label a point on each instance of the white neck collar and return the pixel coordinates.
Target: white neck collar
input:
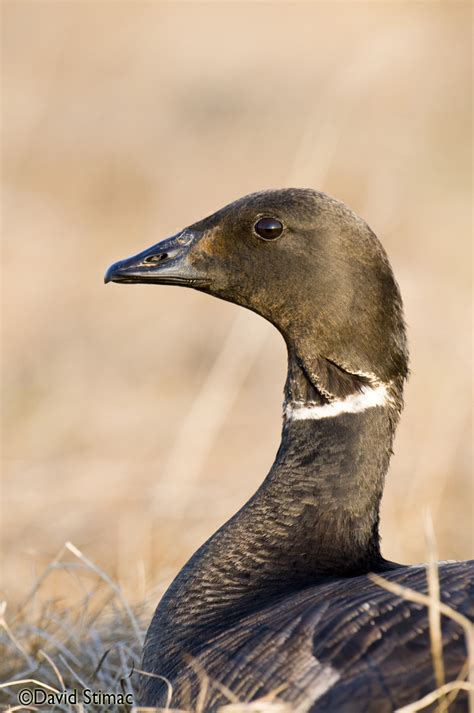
(368, 397)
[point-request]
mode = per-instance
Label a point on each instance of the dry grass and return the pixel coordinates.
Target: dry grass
(50, 645)
(453, 687)
(445, 693)
(97, 644)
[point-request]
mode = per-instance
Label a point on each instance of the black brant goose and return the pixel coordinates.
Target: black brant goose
(278, 599)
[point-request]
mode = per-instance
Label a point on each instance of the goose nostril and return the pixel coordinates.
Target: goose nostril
(153, 259)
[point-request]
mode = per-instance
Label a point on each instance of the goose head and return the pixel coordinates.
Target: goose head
(305, 262)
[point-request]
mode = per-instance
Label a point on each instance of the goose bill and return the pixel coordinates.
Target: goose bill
(164, 263)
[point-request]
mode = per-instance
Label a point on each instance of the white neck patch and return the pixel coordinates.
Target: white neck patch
(368, 397)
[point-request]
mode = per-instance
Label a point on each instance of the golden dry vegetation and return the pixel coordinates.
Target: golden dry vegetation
(137, 418)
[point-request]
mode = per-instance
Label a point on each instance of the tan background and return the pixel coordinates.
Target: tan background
(138, 418)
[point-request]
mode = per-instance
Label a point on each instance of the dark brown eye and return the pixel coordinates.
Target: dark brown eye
(269, 228)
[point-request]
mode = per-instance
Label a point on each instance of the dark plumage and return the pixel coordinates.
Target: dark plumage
(279, 595)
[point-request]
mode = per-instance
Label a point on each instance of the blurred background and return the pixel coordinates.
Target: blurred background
(138, 418)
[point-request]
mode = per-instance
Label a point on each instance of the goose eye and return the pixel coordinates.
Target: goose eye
(269, 228)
